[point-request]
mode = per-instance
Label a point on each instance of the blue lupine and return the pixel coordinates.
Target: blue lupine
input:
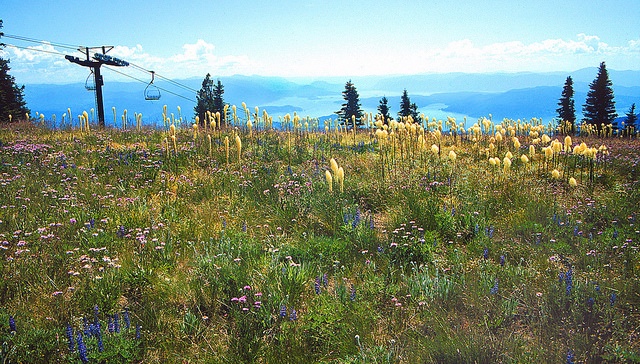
(568, 280)
(69, 333)
(494, 289)
(85, 326)
(570, 356)
(371, 223)
(127, 319)
(96, 311)
(82, 349)
(316, 285)
(294, 315)
(325, 280)
(352, 295)
(110, 326)
(380, 249)
(116, 323)
(283, 311)
(244, 226)
(575, 231)
(485, 253)
(12, 324)
(138, 329)
(356, 218)
(502, 260)
(590, 302)
(615, 234)
(100, 343)
(612, 299)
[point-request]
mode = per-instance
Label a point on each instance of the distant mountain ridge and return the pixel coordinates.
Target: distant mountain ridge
(504, 95)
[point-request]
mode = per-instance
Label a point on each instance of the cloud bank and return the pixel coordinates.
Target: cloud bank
(41, 64)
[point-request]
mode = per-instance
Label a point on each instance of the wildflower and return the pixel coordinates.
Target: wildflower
(283, 311)
(612, 299)
(294, 315)
(127, 320)
(435, 149)
(329, 180)
(485, 253)
(325, 280)
(116, 323)
(570, 356)
(524, 159)
(82, 349)
(502, 260)
(573, 182)
(69, 333)
(590, 302)
(452, 156)
(12, 324)
(317, 285)
(352, 295)
(532, 151)
(555, 174)
(138, 329)
(506, 164)
(494, 289)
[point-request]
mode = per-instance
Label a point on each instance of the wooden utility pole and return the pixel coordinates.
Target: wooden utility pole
(95, 63)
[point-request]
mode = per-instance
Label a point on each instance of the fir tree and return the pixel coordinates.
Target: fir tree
(567, 110)
(632, 117)
(351, 108)
(204, 99)
(218, 100)
(600, 108)
(407, 108)
(383, 110)
(11, 96)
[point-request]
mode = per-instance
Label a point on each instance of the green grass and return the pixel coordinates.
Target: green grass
(210, 259)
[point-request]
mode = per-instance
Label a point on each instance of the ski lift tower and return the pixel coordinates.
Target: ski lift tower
(95, 63)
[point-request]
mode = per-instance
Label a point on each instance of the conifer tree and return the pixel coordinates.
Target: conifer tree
(600, 108)
(218, 100)
(407, 108)
(204, 99)
(567, 110)
(632, 118)
(11, 96)
(351, 108)
(383, 109)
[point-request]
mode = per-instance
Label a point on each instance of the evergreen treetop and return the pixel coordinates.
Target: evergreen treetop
(11, 96)
(599, 108)
(351, 108)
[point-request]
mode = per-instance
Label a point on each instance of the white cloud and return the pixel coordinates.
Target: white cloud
(196, 59)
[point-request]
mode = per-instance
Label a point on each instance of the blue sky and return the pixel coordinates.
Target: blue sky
(319, 39)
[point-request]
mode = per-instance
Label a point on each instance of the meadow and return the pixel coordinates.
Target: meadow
(494, 242)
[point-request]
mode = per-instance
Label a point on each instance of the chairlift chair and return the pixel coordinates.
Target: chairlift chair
(90, 83)
(152, 92)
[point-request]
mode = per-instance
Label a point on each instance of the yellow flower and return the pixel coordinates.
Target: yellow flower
(573, 182)
(524, 158)
(452, 156)
(555, 174)
(327, 175)
(516, 143)
(508, 155)
(340, 177)
(435, 149)
(532, 151)
(334, 166)
(507, 164)
(239, 146)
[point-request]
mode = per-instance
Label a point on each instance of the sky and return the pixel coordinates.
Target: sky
(320, 39)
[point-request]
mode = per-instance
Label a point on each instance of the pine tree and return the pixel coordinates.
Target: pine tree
(407, 108)
(567, 110)
(218, 100)
(11, 96)
(204, 99)
(351, 108)
(600, 108)
(383, 110)
(632, 118)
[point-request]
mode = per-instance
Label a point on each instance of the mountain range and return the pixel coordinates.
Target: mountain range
(503, 95)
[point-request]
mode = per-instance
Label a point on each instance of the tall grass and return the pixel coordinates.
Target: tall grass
(230, 243)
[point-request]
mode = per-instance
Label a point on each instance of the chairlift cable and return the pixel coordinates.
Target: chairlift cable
(32, 40)
(145, 82)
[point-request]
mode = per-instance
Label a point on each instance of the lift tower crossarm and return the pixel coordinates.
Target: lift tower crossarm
(98, 60)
